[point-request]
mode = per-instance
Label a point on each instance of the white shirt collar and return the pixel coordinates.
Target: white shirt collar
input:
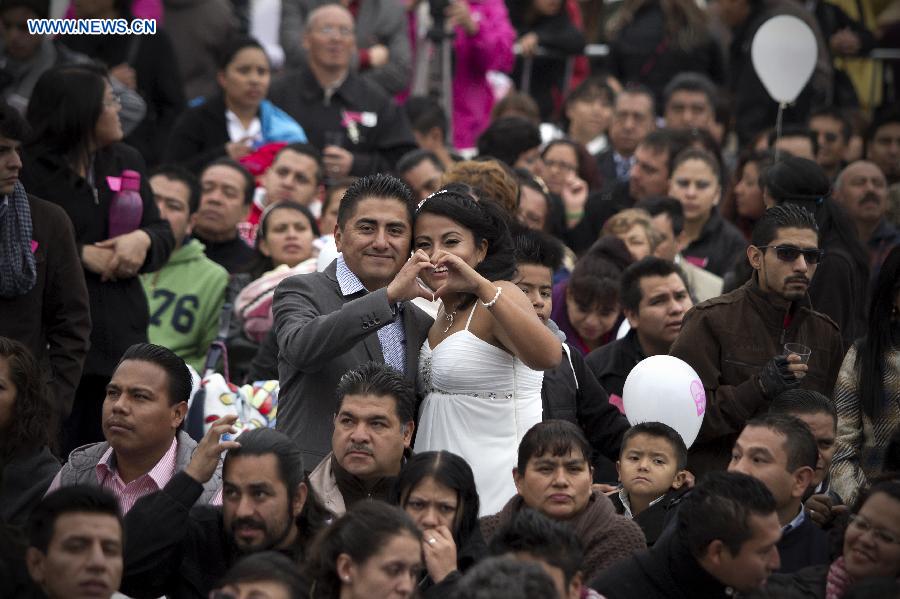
(623, 497)
(237, 132)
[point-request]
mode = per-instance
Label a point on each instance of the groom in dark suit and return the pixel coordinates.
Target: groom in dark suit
(330, 322)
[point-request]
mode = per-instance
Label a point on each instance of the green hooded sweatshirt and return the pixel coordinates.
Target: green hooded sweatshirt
(185, 299)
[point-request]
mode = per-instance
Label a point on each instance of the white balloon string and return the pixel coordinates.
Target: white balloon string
(781, 107)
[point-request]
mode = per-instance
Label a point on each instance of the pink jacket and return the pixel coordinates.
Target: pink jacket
(140, 9)
(490, 49)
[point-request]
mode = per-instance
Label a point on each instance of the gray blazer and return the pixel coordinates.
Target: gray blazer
(322, 335)
(80, 469)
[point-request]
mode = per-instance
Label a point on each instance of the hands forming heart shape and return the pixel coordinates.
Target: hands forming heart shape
(433, 277)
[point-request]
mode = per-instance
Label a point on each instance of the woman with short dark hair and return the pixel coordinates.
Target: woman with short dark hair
(870, 550)
(554, 476)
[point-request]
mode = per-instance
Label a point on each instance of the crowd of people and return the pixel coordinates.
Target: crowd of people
(444, 238)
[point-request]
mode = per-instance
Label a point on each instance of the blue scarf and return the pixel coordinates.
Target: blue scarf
(277, 125)
(18, 268)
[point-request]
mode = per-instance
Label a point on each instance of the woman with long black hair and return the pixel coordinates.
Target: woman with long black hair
(867, 392)
(26, 429)
(437, 490)
(481, 367)
(74, 159)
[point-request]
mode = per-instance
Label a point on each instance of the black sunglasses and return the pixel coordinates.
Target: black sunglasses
(789, 253)
(830, 136)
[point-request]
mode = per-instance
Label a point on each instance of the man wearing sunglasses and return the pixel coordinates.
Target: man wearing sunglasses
(832, 129)
(736, 341)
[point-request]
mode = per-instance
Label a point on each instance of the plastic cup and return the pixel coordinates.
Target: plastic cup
(334, 138)
(798, 349)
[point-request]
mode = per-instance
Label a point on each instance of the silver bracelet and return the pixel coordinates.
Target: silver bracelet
(491, 303)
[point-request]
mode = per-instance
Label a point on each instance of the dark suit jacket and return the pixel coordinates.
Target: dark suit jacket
(322, 335)
(199, 135)
(53, 319)
(606, 166)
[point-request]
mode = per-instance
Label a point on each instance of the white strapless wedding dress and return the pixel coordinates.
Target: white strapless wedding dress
(480, 400)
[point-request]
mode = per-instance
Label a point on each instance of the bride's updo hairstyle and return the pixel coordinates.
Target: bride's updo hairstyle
(485, 220)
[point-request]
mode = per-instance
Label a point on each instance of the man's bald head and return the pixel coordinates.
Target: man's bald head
(327, 9)
(329, 41)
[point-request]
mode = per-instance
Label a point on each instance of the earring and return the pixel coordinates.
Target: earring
(346, 579)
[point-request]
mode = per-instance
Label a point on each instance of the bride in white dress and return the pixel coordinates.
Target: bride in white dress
(482, 365)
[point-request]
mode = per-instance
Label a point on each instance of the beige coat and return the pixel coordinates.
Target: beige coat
(324, 485)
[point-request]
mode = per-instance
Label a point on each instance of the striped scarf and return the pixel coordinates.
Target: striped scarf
(18, 269)
(838, 580)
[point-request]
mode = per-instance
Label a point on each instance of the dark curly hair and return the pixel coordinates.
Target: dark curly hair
(485, 219)
(30, 427)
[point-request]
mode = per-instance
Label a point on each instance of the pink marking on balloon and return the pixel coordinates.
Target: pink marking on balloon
(617, 401)
(699, 397)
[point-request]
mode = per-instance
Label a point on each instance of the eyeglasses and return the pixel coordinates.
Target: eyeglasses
(329, 30)
(115, 101)
(790, 253)
(881, 535)
(563, 166)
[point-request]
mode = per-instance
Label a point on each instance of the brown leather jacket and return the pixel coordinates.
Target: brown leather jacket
(728, 340)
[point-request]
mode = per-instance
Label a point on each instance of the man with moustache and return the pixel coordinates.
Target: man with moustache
(861, 189)
(373, 429)
(177, 550)
(736, 341)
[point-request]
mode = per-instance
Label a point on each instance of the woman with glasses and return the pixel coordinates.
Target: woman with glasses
(237, 120)
(707, 240)
(74, 159)
(562, 161)
(867, 392)
(840, 286)
(870, 550)
(146, 64)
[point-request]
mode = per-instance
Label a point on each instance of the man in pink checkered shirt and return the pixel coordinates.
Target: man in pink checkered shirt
(146, 402)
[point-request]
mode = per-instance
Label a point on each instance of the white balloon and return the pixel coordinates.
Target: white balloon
(784, 54)
(665, 389)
